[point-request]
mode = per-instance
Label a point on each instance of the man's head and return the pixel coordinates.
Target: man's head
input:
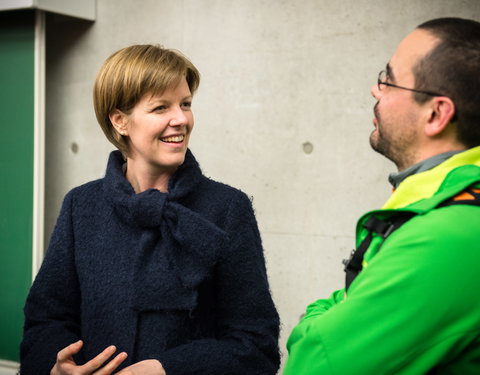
(428, 101)
(453, 68)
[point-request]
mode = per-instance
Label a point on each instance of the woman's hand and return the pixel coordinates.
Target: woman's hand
(65, 364)
(147, 367)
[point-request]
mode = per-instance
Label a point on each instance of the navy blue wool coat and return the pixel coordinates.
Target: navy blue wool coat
(178, 276)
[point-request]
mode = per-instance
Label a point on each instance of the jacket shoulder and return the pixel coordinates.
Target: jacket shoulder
(86, 195)
(224, 193)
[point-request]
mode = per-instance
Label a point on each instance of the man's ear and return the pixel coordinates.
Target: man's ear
(441, 113)
(119, 121)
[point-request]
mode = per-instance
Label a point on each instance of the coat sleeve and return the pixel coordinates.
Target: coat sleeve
(321, 306)
(410, 310)
(247, 322)
(52, 306)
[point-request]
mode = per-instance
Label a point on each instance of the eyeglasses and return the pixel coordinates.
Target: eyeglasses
(382, 80)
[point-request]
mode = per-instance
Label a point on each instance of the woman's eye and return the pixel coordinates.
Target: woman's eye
(160, 108)
(187, 104)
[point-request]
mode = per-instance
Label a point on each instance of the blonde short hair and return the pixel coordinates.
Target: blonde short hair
(129, 74)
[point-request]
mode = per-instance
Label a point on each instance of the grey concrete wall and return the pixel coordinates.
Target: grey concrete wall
(277, 74)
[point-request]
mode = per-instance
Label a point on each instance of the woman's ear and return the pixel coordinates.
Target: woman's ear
(119, 121)
(441, 113)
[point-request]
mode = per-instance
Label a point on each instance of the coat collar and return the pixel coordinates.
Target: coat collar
(425, 184)
(146, 208)
(176, 247)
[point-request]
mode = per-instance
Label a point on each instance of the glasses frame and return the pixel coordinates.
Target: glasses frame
(380, 82)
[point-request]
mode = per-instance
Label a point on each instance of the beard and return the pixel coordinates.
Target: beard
(379, 140)
(394, 139)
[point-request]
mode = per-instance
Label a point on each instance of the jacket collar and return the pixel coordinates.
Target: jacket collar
(175, 247)
(146, 208)
(425, 184)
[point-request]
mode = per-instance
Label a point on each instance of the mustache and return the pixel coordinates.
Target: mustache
(375, 110)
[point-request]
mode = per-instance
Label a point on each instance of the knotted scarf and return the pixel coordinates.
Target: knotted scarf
(177, 247)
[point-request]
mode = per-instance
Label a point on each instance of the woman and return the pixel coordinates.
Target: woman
(155, 261)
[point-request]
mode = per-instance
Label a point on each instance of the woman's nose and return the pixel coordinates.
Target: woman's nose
(178, 118)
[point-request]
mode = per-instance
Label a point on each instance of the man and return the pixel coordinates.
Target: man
(411, 304)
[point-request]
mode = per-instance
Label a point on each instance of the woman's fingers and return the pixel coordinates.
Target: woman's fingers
(65, 360)
(99, 360)
(68, 352)
(145, 367)
(112, 365)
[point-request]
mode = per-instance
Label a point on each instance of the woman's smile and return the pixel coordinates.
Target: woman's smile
(176, 139)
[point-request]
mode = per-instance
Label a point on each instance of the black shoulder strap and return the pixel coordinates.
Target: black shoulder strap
(384, 228)
(353, 265)
(470, 196)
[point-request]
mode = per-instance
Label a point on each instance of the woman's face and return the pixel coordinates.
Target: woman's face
(158, 130)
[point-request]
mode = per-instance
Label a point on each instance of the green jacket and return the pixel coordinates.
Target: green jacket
(415, 305)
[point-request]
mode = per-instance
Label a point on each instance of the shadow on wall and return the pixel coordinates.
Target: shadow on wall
(63, 34)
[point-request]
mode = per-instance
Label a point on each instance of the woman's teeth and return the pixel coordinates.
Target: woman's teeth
(175, 139)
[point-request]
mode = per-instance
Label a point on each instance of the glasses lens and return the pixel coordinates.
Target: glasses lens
(382, 78)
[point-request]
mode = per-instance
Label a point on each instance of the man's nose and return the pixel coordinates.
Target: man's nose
(375, 91)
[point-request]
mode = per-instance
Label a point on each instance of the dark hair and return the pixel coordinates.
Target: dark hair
(453, 69)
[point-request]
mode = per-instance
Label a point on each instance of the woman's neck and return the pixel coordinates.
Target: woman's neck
(145, 177)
